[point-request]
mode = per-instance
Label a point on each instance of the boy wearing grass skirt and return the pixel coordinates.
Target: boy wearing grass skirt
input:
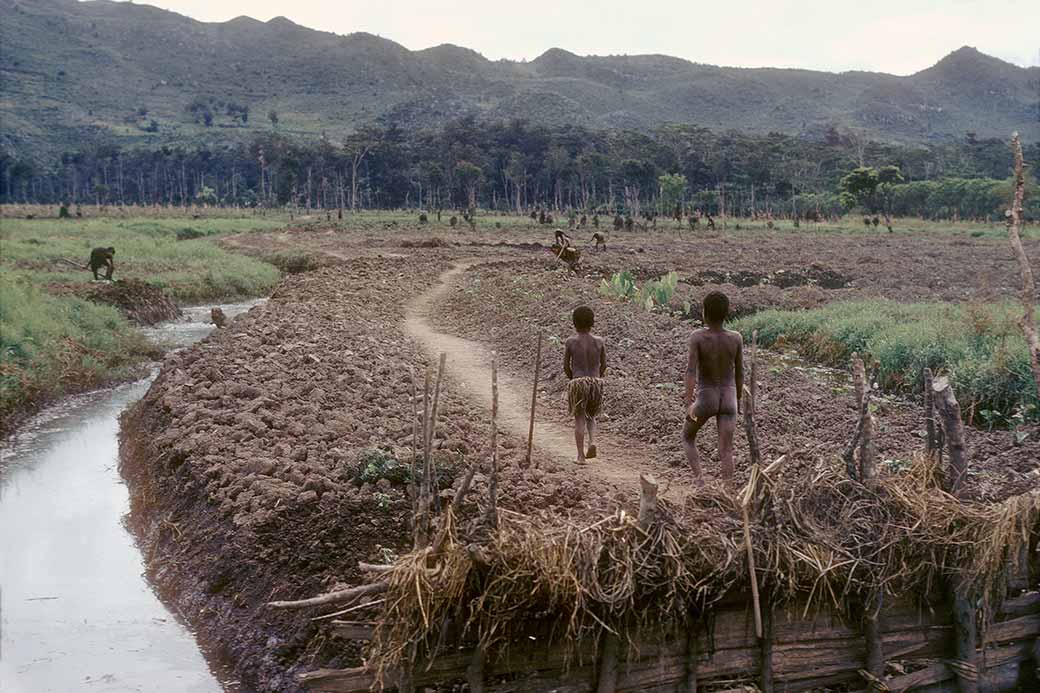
(714, 383)
(585, 364)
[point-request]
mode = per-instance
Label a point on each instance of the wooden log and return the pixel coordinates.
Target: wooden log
(534, 399)
(1028, 320)
(647, 500)
(339, 597)
(950, 412)
(806, 653)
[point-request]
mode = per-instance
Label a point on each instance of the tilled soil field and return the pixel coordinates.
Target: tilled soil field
(246, 458)
(240, 460)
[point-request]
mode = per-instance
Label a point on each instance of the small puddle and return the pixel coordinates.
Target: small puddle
(76, 610)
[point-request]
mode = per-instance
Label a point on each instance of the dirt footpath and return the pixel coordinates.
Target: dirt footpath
(248, 460)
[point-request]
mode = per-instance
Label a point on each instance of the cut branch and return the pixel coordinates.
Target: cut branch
(1028, 321)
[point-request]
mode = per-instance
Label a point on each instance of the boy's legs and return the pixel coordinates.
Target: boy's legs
(727, 426)
(690, 429)
(579, 434)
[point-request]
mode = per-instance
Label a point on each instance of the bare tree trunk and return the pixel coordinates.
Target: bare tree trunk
(1028, 321)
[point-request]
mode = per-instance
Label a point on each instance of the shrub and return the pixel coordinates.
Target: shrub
(293, 262)
(979, 346)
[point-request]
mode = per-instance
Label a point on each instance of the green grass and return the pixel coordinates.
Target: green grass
(51, 345)
(979, 346)
(146, 249)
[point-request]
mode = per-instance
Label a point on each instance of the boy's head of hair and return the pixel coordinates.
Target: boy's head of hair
(716, 308)
(583, 318)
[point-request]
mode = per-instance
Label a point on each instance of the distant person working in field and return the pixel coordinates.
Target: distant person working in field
(585, 364)
(714, 383)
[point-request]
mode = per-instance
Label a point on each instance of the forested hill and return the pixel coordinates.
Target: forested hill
(76, 73)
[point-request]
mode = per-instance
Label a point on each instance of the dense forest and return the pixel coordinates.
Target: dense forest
(517, 166)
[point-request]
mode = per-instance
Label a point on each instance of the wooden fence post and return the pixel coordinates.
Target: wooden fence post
(751, 394)
(493, 482)
(1028, 321)
(950, 411)
(534, 399)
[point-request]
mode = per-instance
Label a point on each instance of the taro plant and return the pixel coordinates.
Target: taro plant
(621, 285)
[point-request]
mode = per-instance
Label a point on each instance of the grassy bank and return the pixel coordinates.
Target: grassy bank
(175, 254)
(979, 346)
(56, 345)
(52, 342)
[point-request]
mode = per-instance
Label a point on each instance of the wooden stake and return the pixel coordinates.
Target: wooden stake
(647, 500)
(534, 399)
(475, 671)
(950, 411)
(415, 440)
(751, 569)
(966, 642)
(430, 471)
(872, 634)
(1028, 321)
(493, 485)
(750, 429)
(608, 664)
(691, 659)
(765, 647)
(929, 414)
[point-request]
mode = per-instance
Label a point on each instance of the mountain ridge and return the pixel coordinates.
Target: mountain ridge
(135, 74)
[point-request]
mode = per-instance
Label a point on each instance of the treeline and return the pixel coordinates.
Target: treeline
(517, 166)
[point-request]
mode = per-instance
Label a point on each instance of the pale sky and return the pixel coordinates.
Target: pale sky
(894, 36)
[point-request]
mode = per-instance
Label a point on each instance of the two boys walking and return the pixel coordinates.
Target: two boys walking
(714, 382)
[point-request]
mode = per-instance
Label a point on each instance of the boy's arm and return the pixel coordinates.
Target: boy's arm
(691, 372)
(602, 358)
(567, 361)
(738, 369)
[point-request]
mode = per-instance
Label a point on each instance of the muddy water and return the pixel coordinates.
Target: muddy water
(76, 612)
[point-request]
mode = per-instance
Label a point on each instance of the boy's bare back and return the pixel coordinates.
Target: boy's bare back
(585, 356)
(718, 355)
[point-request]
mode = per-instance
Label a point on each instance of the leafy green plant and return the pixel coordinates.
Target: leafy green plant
(620, 285)
(652, 294)
(374, 464)
(657, 292)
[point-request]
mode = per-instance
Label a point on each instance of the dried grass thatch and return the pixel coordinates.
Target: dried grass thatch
(818, 537)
